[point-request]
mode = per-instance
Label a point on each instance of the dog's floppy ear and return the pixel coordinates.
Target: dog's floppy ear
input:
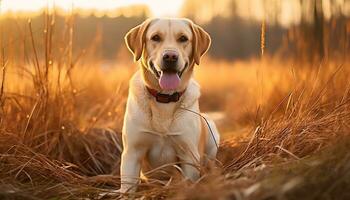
(135, 39)
(201, 42)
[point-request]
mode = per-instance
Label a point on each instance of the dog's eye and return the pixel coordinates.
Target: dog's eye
(183, 39)
(155, 38)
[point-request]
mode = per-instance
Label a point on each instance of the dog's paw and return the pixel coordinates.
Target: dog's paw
(109, 194)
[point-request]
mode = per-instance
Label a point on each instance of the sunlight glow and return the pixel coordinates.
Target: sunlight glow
(157, 7)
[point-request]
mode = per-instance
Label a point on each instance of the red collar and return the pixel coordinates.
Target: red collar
(165, 98)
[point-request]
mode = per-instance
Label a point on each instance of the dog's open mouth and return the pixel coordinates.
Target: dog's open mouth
(168, 79)
(154, 70)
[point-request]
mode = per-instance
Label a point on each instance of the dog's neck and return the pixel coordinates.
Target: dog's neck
(162, 114)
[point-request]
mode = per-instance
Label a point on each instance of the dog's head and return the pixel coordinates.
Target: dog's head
(168, 49)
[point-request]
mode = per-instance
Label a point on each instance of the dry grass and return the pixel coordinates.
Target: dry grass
(286, 127)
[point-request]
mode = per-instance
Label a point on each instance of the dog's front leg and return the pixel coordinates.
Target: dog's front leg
(130, 169)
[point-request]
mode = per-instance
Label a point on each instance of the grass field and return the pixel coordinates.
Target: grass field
(285, 127)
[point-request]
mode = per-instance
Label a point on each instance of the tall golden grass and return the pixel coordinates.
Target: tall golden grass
(285, 127)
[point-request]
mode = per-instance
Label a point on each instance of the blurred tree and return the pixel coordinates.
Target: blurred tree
(315, 38)
(308, 36)
(233, 36)
(316, 29)
(100, 36)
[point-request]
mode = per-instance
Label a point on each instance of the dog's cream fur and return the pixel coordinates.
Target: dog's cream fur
(155, 134)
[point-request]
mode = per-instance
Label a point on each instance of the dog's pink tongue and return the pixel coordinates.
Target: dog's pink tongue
(169, 81)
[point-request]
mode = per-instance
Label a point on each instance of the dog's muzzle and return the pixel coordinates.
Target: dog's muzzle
(158, 73)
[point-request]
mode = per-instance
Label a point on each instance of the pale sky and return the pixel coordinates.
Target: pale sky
(251, 9)
(158, 7)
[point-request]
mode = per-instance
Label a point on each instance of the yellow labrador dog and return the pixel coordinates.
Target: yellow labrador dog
(161, 124)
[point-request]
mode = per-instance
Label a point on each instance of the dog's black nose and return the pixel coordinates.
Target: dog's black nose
(170, 57)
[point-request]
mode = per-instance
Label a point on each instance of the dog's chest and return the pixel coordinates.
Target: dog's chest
(162, 117)
(161, 152)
